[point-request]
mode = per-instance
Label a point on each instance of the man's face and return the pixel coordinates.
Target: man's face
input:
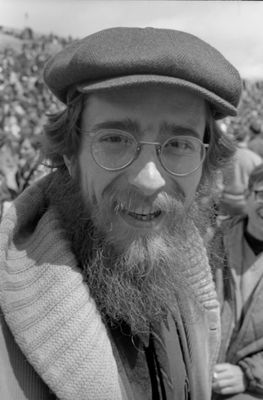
(150, 114)
(133, 230)
(255, 207)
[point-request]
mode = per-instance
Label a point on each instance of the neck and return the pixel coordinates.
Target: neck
(255, 231)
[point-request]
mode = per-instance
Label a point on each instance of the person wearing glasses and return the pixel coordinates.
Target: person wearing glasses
(106, 289)
(238, 375)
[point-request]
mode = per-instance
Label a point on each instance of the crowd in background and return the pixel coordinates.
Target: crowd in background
(25, 101)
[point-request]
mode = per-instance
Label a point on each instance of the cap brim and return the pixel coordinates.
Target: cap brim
(221, 107)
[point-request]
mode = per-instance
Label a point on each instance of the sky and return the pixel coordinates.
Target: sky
(234, 27)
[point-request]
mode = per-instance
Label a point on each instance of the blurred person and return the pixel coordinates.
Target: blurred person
(256, 142)
(106, 290)
(9, 164)
(238, 375)
(8, 167)
(29, 165)
(235, 175)
(11, 126)
(5, 194)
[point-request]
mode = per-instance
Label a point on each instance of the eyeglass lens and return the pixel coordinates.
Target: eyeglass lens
(114, 150)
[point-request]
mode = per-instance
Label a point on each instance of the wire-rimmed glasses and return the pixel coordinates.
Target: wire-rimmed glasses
(114, 150)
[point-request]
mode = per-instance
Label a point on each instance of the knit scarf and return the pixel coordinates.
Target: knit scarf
(48, 307)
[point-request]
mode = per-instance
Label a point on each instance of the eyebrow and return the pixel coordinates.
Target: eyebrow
(124, 125)
(132, 126)
(176, 130)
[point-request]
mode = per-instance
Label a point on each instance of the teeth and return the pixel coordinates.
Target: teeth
(145, 217)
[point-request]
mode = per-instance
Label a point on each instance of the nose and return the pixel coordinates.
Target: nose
(148, 179)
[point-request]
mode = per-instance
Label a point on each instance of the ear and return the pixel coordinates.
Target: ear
(69, 164)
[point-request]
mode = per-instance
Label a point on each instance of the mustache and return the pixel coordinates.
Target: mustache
(131, 199)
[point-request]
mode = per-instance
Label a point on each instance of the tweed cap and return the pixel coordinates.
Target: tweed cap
(122, 56)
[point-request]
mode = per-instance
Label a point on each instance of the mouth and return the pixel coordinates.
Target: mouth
(260, 213)
(142, 219)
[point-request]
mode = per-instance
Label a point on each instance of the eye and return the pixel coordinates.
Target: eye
(112, 139)
(181, 145)
(112, 143)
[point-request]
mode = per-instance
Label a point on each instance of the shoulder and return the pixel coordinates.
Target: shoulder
(251, 154)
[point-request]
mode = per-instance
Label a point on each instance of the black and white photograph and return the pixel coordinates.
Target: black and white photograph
(131, 200)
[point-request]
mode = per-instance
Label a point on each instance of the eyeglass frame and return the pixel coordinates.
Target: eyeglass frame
(139, 144)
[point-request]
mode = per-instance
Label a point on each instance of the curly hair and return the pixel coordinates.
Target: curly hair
(62, 137)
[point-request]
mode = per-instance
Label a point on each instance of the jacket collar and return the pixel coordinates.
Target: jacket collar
(48, 306)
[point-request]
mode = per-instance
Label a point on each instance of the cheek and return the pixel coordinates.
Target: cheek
(189, 185)
(84, 174)
(92, 178)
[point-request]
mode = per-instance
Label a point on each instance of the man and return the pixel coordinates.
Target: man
(236, 175)
(29, 166)
(5, 194)
(239, 372)
(256, 141)
(105, 281)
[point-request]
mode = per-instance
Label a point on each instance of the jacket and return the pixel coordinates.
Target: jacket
(242, 341)
(51, 325)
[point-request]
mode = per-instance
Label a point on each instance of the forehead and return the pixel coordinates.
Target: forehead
(149, 106)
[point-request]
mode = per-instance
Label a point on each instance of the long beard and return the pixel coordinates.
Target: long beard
(141, 282)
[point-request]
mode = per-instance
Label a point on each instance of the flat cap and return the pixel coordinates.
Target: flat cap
(122, 56)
